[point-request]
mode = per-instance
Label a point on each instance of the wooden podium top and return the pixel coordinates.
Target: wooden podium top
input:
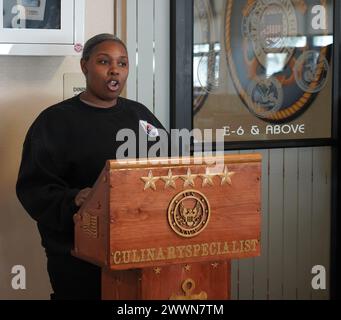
(180, 162)
(169, 211)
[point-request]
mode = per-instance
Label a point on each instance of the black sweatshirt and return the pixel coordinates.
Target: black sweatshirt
(64, 151)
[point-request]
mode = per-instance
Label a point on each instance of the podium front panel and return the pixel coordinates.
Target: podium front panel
(186, 213)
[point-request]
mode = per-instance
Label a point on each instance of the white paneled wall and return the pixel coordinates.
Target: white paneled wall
(148, 45)
(296, 191)
(296, 184)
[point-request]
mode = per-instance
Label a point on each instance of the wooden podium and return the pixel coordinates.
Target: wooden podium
(169, 230)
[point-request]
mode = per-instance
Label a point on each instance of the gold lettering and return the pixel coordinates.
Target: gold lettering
(171, 253)
(142, 253)
(189, 252)
(219, 248)
(196, 250)
(234, 246)
(205, 250)
(213, 249)
(254, 244)
(151, 254)
(160, 255)
(226, 248)
(181, 251)
(135, 258)
(126, 258)
(117, 258)
(247, 247)
(241, 246)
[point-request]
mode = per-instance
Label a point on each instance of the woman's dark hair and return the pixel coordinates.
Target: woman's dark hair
(96, 40)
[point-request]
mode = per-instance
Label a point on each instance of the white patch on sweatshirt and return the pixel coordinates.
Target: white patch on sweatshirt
(149, 129)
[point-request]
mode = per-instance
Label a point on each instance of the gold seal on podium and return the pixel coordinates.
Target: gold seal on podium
(189, 213)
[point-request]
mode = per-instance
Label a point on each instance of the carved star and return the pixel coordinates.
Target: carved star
(188, 268)
(170, 180)
(189, 179)
(226, 177)
(215, 265)
(207, 179)
(157, 270)
(150, 181)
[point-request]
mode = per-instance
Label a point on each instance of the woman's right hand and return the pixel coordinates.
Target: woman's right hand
(81, 196)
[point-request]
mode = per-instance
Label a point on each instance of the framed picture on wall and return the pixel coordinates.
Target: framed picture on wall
(26, 25)
(258, 73)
